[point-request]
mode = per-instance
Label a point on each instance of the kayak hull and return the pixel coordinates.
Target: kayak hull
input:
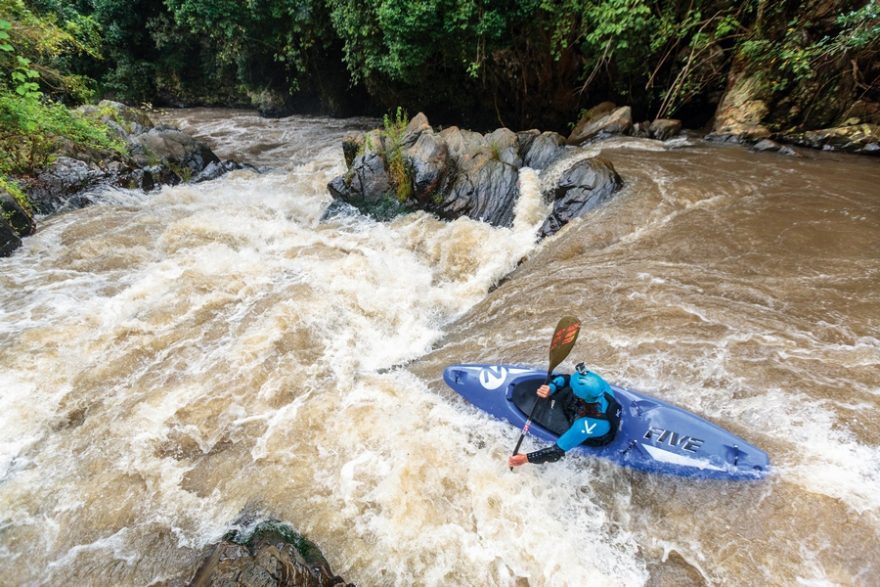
(654, 436)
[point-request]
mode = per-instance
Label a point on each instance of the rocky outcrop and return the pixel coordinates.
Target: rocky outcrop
(855, 138)
(273, 556)
(171, 153)
(459, 172)
(155, 156)
(741, 112)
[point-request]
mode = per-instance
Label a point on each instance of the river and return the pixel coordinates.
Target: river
(175, 362)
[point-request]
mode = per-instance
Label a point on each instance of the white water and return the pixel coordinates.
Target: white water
(172, 361)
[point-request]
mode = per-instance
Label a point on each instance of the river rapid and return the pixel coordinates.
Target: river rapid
(179, 361)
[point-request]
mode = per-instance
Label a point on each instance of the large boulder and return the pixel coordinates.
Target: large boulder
(741, 113)
(581, 188)
(617, 122)
(488, 193)
(173, 149)
(664, 128)
(366, 182)
(543, 150)
(429, 165)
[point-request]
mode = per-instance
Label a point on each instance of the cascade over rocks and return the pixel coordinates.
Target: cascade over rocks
(458, 172)
(155, 156)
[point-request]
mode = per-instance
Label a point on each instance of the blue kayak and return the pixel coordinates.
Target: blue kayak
(654, 436)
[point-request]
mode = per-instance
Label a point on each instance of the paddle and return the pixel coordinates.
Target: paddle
(563, 340)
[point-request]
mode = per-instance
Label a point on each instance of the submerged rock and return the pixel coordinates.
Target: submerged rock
(272, 556)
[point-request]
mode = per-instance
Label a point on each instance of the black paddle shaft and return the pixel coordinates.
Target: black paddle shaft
(564, 337)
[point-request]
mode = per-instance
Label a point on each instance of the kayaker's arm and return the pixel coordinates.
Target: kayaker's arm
(549, 389)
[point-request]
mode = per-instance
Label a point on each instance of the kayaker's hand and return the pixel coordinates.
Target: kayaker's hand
(517, 460)
(544, 391)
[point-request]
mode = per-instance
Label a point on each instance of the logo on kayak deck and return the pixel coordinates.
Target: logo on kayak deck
(661, 435)
(493, 377)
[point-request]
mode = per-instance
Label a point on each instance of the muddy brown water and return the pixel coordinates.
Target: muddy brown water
(174, 360)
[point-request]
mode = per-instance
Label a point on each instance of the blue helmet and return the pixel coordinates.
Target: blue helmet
(585, 385)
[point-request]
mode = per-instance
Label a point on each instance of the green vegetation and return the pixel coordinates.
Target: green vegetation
(398, 172)
(520, 63)
(33, 124)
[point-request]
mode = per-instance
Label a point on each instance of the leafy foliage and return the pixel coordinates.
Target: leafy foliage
(398, 172)
(32, 125)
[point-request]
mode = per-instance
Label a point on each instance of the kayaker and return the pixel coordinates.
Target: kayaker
(590, 407)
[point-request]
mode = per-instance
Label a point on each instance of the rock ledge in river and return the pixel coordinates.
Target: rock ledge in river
(272, 556)
(458, 172)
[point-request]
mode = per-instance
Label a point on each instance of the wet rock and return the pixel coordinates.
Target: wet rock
(616, 122)
(173, 149)
(766, 145)
(9, 240)
(418, 125)
(366, 182)
(487, 193)
(859, 138)
(65, 185)
(216, 169)
(584, 186)
(453, 173)
(20, 219)
(468, 148)
(428, 161)
(543, 150)
(504, 146)
(590, 117)
(273, 556)
(664, 128)
(641, 130)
